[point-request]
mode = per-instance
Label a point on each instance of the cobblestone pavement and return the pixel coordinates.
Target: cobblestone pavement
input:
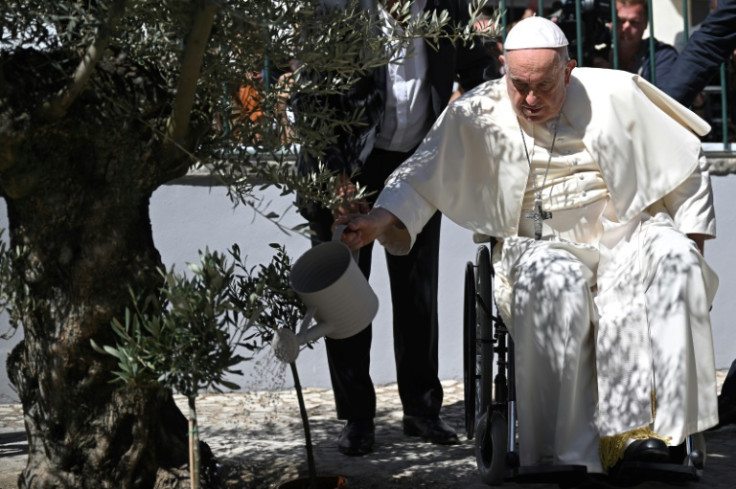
(258, 438)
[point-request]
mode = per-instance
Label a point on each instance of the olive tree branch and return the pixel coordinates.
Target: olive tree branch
(56, 108)
(178, 125)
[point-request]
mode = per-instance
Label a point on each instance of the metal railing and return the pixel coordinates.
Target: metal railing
(717, 118)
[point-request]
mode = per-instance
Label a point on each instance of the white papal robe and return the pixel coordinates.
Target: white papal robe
(611, 307)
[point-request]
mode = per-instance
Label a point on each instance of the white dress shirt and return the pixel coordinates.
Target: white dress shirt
(408, 99)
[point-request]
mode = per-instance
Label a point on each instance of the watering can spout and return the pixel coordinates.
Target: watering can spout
(286, 343)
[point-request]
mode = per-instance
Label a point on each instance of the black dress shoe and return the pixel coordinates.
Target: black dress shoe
(647, 450)
(357, 437)
(430, 428)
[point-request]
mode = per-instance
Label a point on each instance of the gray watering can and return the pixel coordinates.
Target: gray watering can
(338, 297)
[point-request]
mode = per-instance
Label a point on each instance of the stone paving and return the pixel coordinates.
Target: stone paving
(258, 438)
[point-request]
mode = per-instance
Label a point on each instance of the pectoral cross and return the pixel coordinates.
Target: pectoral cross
(538, 215)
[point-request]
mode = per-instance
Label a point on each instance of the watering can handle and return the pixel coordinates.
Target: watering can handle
(307, 320)
(339, 229)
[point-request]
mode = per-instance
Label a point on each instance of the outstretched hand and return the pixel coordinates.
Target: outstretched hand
(362, 229)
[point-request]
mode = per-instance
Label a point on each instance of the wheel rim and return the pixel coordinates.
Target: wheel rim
(469, 351)
(484, 334)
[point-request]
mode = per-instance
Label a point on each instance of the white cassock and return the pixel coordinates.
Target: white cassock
(611, 308)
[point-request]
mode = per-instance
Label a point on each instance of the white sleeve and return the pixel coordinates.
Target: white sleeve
(691, 204)
(400, 199)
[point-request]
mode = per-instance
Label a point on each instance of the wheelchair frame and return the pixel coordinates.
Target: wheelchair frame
(490, 400)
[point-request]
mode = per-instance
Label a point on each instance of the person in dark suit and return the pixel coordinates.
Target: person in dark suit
(401, 102)
(634, 53)
(708, 47)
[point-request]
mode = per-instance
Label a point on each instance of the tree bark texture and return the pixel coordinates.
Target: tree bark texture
(77, 191)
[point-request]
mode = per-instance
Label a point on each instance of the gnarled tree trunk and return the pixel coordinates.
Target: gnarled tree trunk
(77, 192)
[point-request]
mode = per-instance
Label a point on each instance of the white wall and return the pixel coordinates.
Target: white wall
(186, 219)
(721, 254)
(667, 20)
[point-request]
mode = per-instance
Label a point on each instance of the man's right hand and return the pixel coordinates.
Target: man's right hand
(365, 228)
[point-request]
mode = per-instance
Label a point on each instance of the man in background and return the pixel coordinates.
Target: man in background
(401, 101)
(712, 44)
(633, 49)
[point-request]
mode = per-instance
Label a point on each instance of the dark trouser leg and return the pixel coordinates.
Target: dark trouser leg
(729, 385)
(413, 281)
(349, 358)
(727, 398)
(414, 298)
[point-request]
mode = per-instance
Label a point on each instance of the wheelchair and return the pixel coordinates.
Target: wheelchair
(490, 402)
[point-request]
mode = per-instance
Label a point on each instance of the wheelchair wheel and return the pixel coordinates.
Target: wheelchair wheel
(477, 339)
(491, 447)
(470, 360)
(485, 329)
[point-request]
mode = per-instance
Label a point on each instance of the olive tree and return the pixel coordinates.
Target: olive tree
(101, 103)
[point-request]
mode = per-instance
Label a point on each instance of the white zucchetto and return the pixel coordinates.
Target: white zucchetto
(535, 33)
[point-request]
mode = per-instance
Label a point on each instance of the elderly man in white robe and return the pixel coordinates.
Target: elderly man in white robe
(594, 183)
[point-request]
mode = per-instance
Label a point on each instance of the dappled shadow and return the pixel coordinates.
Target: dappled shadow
(662, 338)
(262, 454)
(13, 444)
(472, 145)
(259, 443)
(652, 338)
(265, 457)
